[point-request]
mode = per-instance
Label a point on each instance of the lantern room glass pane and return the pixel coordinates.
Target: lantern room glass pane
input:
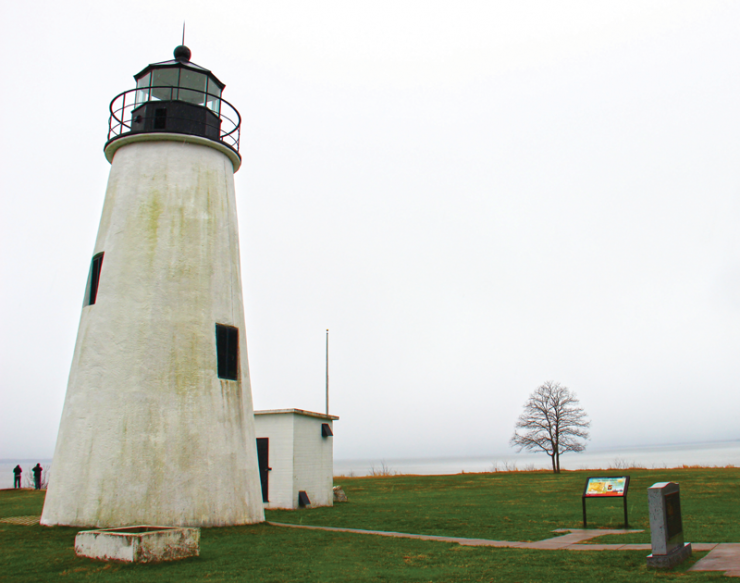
(162, 81)
(191, 96)
(192, 87)
(213, 88)
(142, 84)
(214, 93)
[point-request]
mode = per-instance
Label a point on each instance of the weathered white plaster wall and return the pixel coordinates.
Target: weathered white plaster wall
(149, 434)
(302, 459)
(279, 430)
(313, 461)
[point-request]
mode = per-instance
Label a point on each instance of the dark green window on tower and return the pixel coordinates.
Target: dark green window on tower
(227, 351)
(93, 279)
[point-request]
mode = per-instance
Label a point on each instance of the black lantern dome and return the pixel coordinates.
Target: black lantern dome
(182, 53)
(176, 97)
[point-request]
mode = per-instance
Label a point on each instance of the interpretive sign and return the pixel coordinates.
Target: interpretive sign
(606, 487)
(666, 526)
(612, 486)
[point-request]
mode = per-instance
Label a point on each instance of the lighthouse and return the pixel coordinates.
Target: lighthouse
(158, 425)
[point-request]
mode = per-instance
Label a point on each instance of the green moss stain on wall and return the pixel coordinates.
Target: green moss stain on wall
(173, 237)
(150, 212)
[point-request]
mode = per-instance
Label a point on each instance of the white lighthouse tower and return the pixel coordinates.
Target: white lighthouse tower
(158, 426)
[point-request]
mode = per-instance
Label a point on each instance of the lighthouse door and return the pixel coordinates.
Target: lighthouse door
(263, 449)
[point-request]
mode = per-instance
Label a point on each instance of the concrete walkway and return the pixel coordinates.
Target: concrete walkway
(721, 557)
(21, 520)
(568, 541)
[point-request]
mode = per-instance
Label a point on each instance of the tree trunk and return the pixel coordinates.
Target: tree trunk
(557, 457)
(552, 457)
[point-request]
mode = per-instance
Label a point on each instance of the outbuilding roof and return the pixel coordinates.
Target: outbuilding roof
(296, 412)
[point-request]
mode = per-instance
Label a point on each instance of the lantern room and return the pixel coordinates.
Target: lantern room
(176, 97)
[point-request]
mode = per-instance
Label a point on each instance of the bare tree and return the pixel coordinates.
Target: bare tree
(552, 422)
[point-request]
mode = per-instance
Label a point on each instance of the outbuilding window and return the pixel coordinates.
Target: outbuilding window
(227, 350)
(93, 279)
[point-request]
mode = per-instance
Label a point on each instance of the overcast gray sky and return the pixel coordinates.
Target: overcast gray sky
(475, 197)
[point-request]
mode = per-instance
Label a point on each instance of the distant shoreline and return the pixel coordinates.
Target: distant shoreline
(704, 454)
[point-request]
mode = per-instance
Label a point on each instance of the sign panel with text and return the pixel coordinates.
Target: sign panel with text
(610, 486)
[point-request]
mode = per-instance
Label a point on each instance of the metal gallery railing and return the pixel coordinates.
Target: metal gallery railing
(123, 105)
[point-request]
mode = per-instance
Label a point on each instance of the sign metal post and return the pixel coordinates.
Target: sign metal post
(606, 487)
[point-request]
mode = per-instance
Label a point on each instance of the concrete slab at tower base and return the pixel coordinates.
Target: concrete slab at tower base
(671, 559)
(138, 544)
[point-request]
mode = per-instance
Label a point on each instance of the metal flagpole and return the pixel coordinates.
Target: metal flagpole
(327, 371)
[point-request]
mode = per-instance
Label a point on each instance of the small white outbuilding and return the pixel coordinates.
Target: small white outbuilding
(295, 451)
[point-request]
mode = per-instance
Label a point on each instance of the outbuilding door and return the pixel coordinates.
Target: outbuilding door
(263, 458)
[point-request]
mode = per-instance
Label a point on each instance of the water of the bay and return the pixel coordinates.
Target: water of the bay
(720, 454)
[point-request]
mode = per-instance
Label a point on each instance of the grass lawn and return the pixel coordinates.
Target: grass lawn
(527, 506)
(504, 506)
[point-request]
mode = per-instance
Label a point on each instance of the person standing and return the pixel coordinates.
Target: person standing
(17, 470)
(37, 469)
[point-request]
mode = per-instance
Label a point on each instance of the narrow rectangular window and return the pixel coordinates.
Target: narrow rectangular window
(93, 279)
(160, 118)
(227, 350)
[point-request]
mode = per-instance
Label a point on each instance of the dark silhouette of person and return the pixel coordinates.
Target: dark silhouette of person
(17, 470)
(37, 469)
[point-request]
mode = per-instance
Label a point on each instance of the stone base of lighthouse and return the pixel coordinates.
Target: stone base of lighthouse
(151, 432)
